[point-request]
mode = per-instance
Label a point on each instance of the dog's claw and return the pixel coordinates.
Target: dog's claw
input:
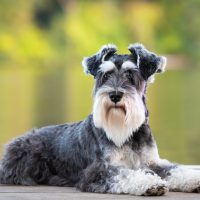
(196, 190)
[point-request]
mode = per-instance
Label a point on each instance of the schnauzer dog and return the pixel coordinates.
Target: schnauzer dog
(112, 150)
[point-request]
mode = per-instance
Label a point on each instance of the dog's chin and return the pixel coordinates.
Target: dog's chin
(115, 116)
(117, 109)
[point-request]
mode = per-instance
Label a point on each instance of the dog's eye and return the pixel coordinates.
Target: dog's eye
(129, 75)
(106, 76)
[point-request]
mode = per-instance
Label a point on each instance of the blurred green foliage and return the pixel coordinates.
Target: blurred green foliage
(43, 42)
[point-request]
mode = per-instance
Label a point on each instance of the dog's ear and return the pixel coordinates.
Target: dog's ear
(91, 64)
(148, 63)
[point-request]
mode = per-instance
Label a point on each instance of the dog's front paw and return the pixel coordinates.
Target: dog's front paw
(138, 183)
(153, 185)
(156, 190)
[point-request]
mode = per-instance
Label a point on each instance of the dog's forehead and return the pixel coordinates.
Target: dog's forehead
(119, 62)
(119, 59)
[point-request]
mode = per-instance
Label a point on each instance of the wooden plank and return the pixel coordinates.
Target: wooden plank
(36, 189)
(62, 193)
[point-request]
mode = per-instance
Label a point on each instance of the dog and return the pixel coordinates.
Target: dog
(112, 150)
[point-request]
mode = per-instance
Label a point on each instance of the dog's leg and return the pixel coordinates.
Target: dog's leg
(105, 178)
(183, 179)
(179, 178)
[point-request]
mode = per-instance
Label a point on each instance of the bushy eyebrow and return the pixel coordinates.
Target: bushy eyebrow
(128, 65)
(107, 66)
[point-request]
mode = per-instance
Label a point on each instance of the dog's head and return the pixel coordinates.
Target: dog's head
(120, 84)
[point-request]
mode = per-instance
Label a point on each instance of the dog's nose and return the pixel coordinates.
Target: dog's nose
(115, 96)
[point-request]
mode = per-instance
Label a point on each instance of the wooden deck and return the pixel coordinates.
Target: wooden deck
(65, 193)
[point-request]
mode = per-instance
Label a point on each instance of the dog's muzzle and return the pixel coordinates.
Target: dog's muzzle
(115, 96)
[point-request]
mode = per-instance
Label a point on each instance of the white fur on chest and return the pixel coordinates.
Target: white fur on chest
(123, 156)
(126, 157)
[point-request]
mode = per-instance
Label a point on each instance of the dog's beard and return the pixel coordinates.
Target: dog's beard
(121, 120)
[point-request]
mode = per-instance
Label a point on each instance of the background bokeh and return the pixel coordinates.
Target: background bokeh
(42, 43)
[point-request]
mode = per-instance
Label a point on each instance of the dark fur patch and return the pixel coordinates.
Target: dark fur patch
(141, 138)
(162, 171)
(95, 177)
(92, 63)
(148, 63)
